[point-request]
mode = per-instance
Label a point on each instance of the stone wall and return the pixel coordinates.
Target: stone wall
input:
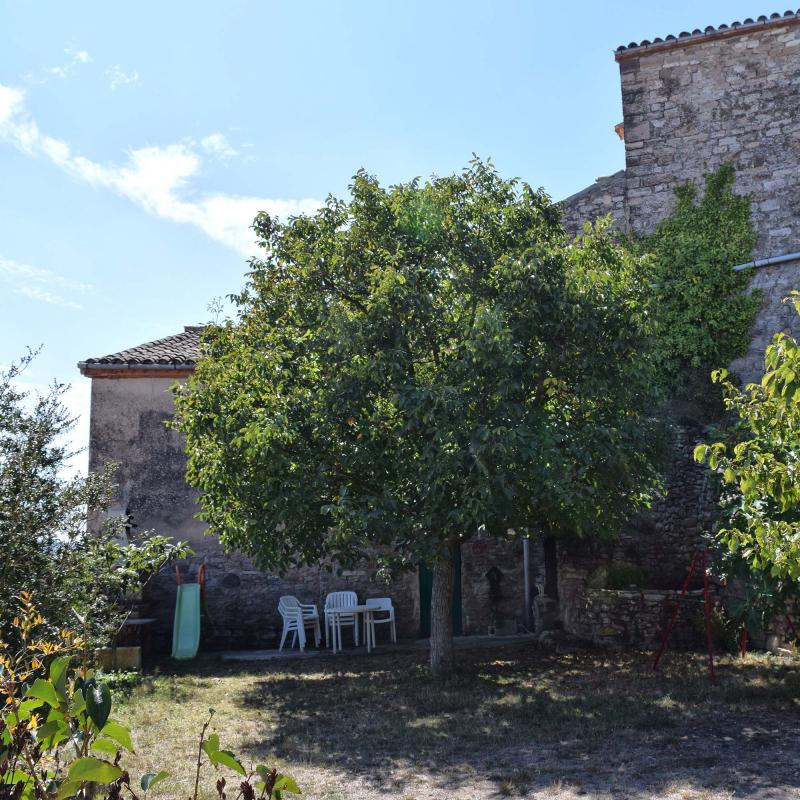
(605, 196)
(775, 283)
(241, 601)
(661, 540)
(479, 609)
(639, 618)
(687, 110)
(128, 427)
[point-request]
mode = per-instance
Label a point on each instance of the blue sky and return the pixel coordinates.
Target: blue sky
(137, 141)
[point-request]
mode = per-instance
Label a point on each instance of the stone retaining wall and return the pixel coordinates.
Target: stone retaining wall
(638, 618)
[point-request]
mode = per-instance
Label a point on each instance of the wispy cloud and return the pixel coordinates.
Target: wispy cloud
(38, 284)
(217, 144)
(156, 178)
(75, 58)
(118, 77)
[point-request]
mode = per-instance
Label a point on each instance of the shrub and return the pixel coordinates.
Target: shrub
(59, 741)
(46, 546)
(616, 575)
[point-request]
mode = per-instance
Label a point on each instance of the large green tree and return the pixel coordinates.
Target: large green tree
(419, 364)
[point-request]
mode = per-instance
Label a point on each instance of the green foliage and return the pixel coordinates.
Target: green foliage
(419, 363)
(758, 461)
(58, 740)
(616, 575)
(704, 316)
(756, 598)
(45, 545)
(120, 682)
(623, 574)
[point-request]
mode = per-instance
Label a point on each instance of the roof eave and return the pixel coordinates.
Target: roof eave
(92, 369)
(710, 34)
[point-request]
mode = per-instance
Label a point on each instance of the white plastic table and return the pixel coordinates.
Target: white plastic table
(367, 612)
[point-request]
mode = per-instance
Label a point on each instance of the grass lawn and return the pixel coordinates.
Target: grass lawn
(519, 722)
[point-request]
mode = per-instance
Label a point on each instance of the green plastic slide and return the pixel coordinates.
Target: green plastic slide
(186, 630)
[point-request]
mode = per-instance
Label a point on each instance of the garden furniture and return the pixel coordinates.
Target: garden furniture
(382, 605)
(297, 617)
(338, 614)
(335, 614)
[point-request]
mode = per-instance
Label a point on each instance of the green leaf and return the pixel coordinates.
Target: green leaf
(44, 690)
(95, 770)
(285, 783)
(150, 779)
(78, 704)
(68, 789)
(49, 728)
(58, 673)
(105, 746)
(98, 703)
(211, 745)
(26, 706)
(227, 759)
(119, 733)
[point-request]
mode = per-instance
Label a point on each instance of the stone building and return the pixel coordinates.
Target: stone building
(131, 403)
(690, 103)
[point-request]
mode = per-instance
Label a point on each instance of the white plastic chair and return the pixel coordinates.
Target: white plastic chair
(383, 605)
(297, 617)
(334, 623)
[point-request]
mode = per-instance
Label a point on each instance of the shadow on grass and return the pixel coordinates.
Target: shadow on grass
(526, 721)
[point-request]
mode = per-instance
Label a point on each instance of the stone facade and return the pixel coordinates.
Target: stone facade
(689, 105)
(129, 427)
(501, 609)
(605, 196)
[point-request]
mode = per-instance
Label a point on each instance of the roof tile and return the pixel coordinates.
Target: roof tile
(182, 349)
(710, 30)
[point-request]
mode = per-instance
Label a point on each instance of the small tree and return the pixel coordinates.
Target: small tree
(759, 463)
(417, 365)
(45, 545)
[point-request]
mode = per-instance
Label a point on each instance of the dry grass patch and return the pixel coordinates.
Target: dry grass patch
(522, 724)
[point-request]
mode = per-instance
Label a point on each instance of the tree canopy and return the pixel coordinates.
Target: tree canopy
(418, 364)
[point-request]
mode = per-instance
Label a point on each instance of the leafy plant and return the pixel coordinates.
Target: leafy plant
(704, 317)
(58, 739)
(419, 364)
(45, 544)
(120, 682)
(616, 575)
(758, 461)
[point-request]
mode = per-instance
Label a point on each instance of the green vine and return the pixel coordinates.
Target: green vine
(703, 312)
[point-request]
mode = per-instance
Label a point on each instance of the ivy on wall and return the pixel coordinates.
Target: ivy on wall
(703, 312)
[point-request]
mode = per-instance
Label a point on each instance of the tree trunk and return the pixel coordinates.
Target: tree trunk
(442, 659)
